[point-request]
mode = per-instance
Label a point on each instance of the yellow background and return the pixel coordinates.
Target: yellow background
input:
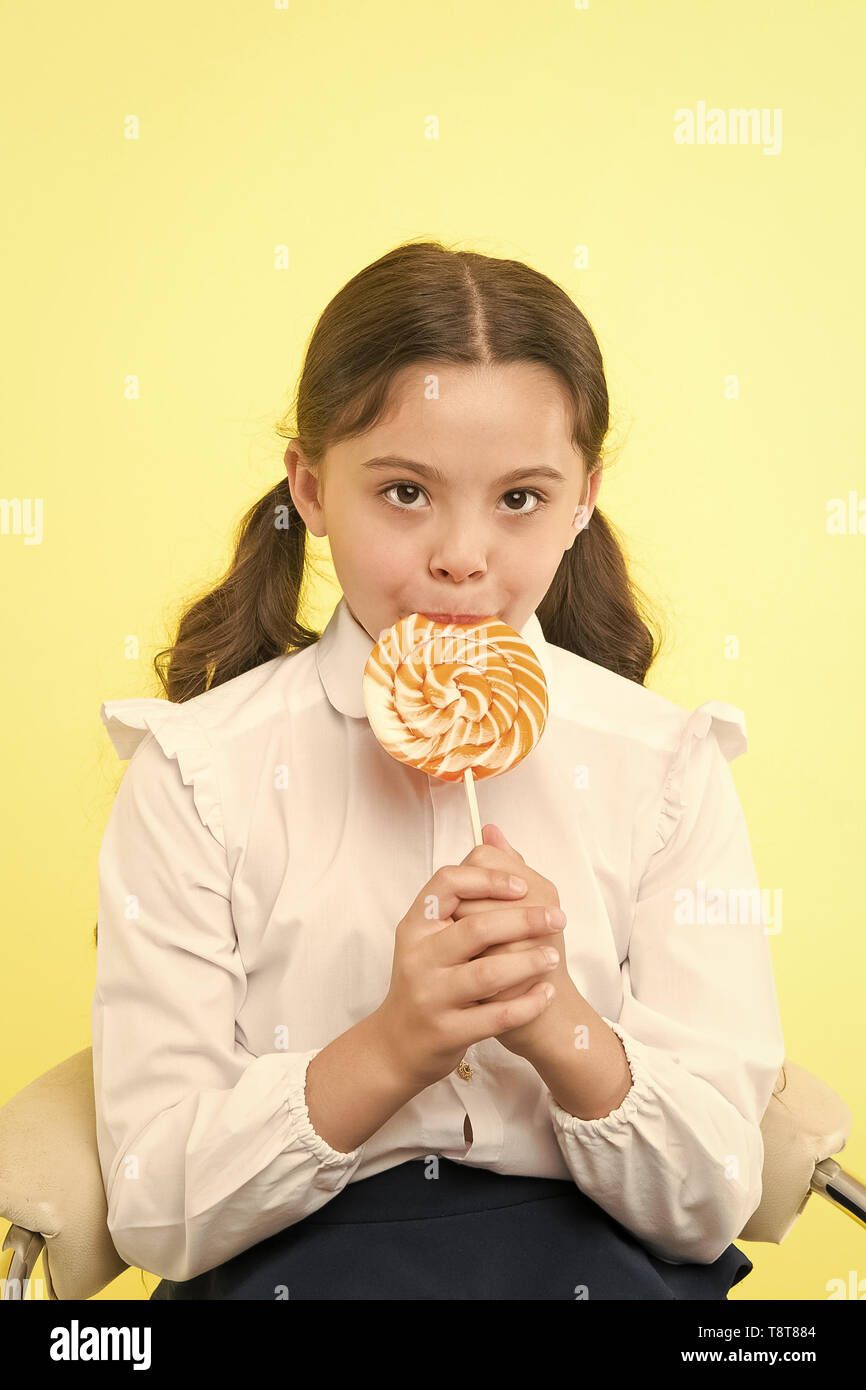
(308, 127)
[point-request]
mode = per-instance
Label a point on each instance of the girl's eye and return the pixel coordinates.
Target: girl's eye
(514, 492)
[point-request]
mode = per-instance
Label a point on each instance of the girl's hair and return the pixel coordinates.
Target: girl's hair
(420, 302)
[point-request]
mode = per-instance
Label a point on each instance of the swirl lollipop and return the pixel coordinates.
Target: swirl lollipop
(457, 701)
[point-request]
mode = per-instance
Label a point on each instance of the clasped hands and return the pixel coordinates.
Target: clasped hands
(497, 853)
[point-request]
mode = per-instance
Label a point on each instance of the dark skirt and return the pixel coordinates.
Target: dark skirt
(468, 1233)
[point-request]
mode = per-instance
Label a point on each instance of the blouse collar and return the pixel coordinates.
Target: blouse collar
(344, 647)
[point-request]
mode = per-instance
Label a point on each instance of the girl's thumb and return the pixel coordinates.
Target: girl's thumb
(498, 836)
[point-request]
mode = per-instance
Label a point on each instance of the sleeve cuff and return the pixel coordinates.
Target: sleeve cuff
(639, 1097)
(304, 1132)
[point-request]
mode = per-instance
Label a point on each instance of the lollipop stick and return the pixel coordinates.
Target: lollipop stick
(469, 783)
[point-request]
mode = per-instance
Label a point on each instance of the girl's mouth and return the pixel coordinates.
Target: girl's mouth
(463, 618)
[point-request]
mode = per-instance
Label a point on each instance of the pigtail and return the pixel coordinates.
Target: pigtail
(252, 614)
(593, 609)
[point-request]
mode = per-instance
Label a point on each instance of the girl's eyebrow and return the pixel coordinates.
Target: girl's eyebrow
(528, 471)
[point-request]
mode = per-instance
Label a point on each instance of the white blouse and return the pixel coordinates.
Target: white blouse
(261, 849)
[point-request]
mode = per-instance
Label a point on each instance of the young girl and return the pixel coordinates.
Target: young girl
(309, 1084)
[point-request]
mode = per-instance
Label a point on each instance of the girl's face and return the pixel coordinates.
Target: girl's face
(449, 505)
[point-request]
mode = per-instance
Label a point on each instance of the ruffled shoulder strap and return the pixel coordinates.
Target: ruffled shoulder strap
(180, 736)
(728, 723)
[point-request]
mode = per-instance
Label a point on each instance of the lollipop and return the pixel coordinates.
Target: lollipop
(457, 701)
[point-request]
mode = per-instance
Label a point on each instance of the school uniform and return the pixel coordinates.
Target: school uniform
(260, 851)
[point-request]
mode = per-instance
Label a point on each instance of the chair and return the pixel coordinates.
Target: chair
(52, 1192)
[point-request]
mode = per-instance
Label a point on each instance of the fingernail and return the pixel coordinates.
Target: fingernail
(517, 885)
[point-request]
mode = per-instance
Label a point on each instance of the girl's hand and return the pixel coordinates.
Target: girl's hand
(497, 853)
(442, 995)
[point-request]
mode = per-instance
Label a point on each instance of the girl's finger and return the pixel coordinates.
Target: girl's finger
(458, 942)
(463, 909)
(453, 884)
(492, 835)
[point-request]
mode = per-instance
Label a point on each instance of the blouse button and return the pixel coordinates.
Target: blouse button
(464, 1071)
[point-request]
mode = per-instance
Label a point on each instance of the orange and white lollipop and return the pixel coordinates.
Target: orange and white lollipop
(454, 700)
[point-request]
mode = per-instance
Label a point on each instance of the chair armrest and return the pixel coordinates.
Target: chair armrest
(51, 1182)
(804, 1123)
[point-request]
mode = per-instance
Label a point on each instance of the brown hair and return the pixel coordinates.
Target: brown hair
(422, 301)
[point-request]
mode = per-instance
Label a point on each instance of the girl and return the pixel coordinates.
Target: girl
(325, 1062)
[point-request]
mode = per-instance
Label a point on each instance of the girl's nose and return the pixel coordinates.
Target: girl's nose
(457, 570)
(459, 557)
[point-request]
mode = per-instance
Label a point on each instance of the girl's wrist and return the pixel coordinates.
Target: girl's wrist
(395, 1057)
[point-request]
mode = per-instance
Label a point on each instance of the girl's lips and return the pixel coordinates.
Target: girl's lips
(463, 618)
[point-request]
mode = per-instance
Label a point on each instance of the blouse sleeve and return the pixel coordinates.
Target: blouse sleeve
(204, 1149)
(679, 1162)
